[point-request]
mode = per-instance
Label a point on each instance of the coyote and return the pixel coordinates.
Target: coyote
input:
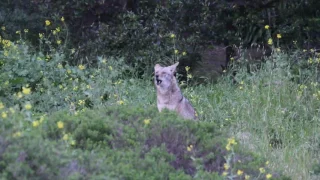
(169, 94)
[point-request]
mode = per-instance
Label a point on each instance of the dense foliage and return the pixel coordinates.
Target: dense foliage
(121, 143)
(137, 29)
(77, 99)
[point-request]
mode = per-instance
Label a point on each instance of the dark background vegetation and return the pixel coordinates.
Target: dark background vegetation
(138, 29)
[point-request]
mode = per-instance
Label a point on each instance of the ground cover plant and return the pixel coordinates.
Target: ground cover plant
(61, 120)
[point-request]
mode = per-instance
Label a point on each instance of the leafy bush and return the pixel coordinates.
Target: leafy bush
(119, 142)
(138, 31)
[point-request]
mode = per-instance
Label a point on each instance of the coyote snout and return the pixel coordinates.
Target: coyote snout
(158, 81)
(169, 95)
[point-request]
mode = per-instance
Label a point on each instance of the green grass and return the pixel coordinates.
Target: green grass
(266, 111)
(273, 113)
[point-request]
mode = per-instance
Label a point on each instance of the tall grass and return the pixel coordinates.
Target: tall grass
(273, 112)
(269, 112)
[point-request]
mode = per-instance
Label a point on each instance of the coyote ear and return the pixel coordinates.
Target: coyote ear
(174, 67)
(157, 66)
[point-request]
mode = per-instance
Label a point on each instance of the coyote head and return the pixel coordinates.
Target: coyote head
(164, 77)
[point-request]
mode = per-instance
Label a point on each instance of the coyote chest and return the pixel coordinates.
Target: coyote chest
(169, 95)
(168, 102)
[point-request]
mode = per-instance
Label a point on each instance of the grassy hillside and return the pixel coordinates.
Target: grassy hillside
(60, 121)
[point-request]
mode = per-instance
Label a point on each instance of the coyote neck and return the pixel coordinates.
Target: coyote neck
(170, 97)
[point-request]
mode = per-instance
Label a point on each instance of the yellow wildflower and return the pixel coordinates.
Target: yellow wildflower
(58, 29)
(26, 90)
(4, 115)
(190, 147)
(187, 68)
(267, 162)
(69, 71)
(232, 141)
(40, 35)
(3, 28)
(266, 26)
(12, 110)
(1, 105)
(18, 32)
(62, 19)
(270, 42)
(176, 51)
(41, 119)
(172, 35)
(279, 36)
(228, 147)
(239, 172)
(226, 166)
(60, 124)
(6, 43)
(110, 68)
(60, 66)
(184, 53)
(224, 173)
(278, 49)
(17, 134)
(6, 53)
(262, 170)
(81, 102)
(88, 86)
(54, 32)
(58, 41)
(65, 137)
(189, 76)
(19, 95)
(120, 102)
(35, 123)
(47, 23)
(28, 106)
(268, 176)
(81, 67)
(73, 142)
(146, 121)
(246, 177)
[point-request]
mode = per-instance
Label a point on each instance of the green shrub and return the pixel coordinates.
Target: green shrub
(119, 142)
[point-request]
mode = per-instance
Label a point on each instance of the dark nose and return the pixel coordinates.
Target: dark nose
(157, 76)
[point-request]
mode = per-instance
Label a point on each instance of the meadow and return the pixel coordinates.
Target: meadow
(78, 121)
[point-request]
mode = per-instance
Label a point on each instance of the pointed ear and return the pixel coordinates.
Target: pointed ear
(174, 67)
(157, 66)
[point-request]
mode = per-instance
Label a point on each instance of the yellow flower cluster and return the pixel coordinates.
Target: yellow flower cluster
(28, 106)
(146, 121)
(120, 102)
(26, 90)
(231, 141)
(190, 148)
(5, 43)
(81, 67)
(48, 23)
(60, 124)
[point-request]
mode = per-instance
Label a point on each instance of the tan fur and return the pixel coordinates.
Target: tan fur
(169, 95)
